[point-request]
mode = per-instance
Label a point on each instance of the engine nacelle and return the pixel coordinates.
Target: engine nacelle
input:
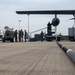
(55, 22)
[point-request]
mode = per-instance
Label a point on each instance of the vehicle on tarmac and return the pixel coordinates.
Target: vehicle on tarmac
(8, 34)
(71, 33)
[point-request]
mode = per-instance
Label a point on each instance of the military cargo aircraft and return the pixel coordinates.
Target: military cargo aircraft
(55, 20)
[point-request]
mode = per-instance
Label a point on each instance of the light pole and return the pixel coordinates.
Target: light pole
(19, 24)
(28, 27)
(28, 23)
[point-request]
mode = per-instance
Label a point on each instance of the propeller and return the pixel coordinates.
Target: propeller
(72, 19)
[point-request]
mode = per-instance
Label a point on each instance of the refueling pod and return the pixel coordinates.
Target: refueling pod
(55, 21)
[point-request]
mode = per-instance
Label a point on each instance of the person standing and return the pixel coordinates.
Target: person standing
(41, 36)
(19, 36)
(25, 35)
(21, 33)
(15, 35)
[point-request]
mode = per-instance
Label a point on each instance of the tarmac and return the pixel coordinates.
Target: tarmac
(35, 58)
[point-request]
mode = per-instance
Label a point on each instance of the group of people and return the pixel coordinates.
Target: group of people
(21, 35)
(18, 35)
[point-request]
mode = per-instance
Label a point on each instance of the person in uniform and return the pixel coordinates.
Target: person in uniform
(15, 35)
(21, 33)
(19, 36)
(25, 35)
(42, 36)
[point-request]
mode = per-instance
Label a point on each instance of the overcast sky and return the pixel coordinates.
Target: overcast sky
(8, 16)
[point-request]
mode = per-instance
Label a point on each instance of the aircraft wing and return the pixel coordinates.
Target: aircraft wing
(63, 12)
